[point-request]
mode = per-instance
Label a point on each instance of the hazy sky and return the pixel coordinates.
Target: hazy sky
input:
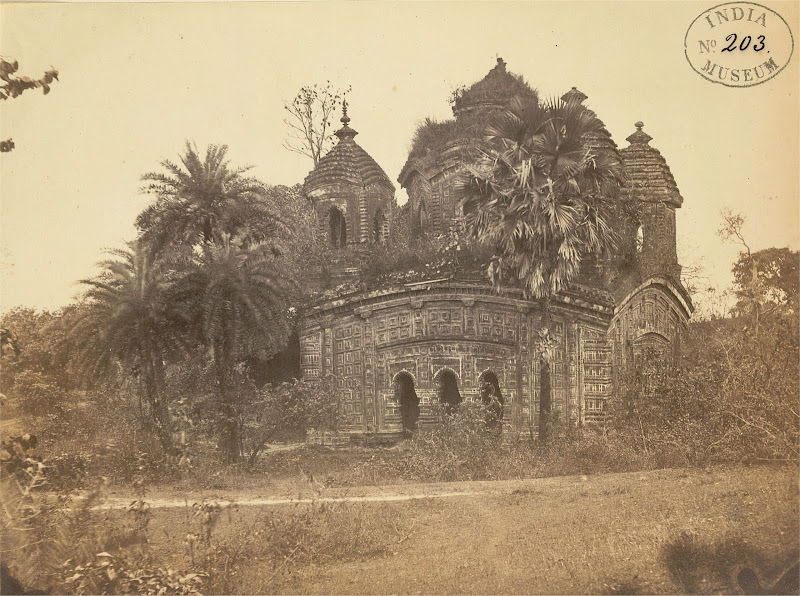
(137, 80)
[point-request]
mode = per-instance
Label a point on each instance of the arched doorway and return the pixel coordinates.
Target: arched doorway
(406, 396)
(338, 226)
(491, 399)
(448, 393)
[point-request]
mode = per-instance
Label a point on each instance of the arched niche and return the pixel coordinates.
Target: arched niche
(648, 347)
(380, 227)
(337, 225)
(405, 396)
(489, 383)
(447, 390)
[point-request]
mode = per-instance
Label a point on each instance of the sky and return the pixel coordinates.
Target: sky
(138, 80)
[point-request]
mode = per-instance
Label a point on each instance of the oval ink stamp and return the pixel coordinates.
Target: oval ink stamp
(739, 44)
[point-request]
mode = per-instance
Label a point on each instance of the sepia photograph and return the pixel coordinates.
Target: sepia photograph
(399, 297)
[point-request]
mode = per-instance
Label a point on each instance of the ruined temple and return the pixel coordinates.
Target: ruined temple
(447, 339)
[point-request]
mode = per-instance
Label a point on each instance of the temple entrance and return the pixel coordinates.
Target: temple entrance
(448, 393)
(406, 396)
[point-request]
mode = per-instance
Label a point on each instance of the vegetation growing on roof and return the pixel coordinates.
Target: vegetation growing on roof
(473, 107)
(499, 86)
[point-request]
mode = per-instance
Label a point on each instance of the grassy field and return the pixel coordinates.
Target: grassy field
(666, 531)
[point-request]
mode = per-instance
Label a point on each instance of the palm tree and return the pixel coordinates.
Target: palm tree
(237, 299)
(203, 199)
(220, 221)
(128, 321)
(539, 198)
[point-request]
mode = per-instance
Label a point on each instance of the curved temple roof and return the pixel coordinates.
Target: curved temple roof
(346, 163)
(649, 176)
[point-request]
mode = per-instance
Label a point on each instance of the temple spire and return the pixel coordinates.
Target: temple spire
(345, 132)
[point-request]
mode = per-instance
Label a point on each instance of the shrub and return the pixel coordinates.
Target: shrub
(733, 398)
(289, 409)
(461, 448)
(56, 543)
(453, 254)
(35, 393)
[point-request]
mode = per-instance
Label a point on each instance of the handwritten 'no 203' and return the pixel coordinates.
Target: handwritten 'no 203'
(745, 43)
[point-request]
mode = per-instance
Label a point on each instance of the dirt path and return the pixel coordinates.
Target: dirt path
(316, 493)
(361, 494)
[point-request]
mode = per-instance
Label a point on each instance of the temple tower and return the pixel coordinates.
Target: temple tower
(653, 188)
(351, 194)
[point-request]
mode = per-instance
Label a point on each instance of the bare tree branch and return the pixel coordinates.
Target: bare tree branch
(309, 119)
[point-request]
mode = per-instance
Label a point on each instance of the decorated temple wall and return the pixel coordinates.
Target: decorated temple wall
(653, 319)
(468, 333)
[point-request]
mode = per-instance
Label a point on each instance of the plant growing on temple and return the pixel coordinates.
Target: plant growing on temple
(309, 119)
(237, 299)
(129, 321)
(539, 198)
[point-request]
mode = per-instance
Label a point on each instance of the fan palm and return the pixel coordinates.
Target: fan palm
(539, 197)
(128, 320)
(237, 298)
(202, 199)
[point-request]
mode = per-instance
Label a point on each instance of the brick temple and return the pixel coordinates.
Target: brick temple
(458, 332)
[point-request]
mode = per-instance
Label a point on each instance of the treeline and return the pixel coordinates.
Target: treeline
(200, 308)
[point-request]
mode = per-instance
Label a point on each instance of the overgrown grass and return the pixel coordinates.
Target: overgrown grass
(667, 531)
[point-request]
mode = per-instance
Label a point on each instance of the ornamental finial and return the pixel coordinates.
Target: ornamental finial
(573, 95)
(640, 137)
(345, 132)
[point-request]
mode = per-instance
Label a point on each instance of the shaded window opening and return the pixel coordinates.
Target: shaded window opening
(406, 396)
(449, 395)
(338, 227)
(381, 227)
(419, 220)
(467, 207)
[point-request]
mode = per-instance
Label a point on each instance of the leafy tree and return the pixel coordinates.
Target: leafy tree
(129, 321)
(202, 199)
(762, 278)
(237, 299)
(289, 409)
(32, 342)
(310, 119)
(776, 277)
(539, 199)
(14, 85)
(8, 341)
